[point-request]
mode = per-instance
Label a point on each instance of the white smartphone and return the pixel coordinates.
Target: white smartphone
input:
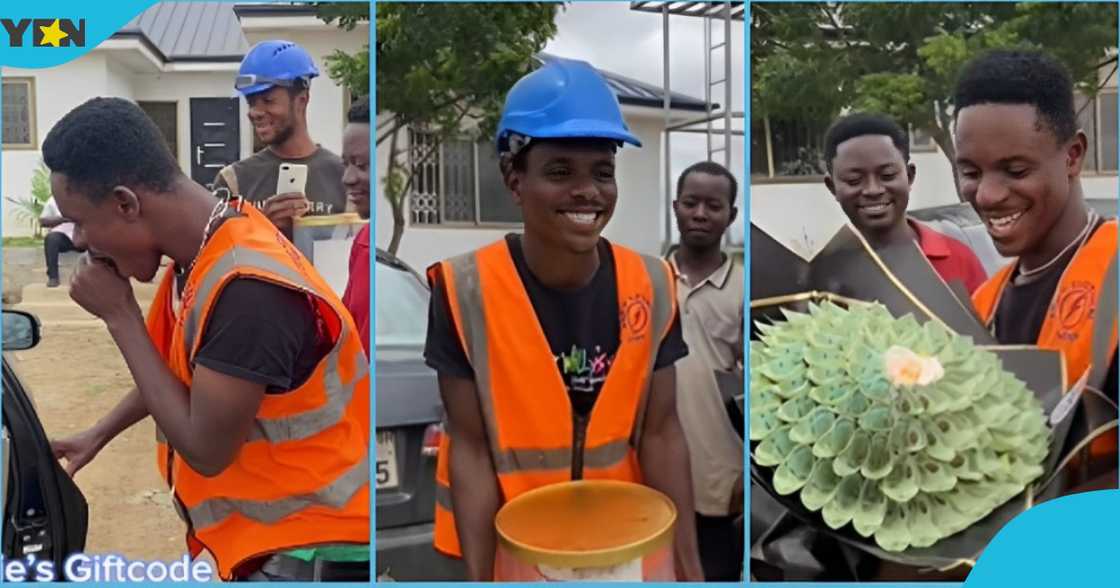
(292, 178)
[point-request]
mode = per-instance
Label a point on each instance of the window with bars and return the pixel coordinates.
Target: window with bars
(459, 184)
(19, 113)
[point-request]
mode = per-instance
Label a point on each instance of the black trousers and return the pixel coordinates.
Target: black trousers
(54, 244)
(721, 547)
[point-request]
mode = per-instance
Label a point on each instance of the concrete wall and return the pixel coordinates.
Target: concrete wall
(637, 222)
(804, 215)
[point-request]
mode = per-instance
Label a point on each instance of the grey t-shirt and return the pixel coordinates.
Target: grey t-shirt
(257, 175)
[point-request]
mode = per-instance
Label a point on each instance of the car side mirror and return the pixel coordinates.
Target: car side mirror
(21, 330)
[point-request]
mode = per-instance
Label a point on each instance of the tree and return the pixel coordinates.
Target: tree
(444, 69)
(810, 61)
(352, 71)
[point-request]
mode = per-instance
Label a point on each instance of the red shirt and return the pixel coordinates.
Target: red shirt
(356, 297)
(952, 259)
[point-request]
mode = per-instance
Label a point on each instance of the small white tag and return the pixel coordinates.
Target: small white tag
(1068, 401)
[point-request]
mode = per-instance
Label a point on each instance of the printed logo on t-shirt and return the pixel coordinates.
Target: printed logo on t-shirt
(583, 371)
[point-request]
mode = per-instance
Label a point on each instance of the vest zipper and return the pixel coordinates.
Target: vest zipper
(579, 434)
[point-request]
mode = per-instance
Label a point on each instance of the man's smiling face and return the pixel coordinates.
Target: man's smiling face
(1015, 172)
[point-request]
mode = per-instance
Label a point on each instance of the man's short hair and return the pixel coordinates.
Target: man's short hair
(107, 142)
(714, 169)
(863, 124)
(359, 111)
(1020, 77)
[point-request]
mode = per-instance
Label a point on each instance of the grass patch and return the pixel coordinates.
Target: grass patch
(23, 242)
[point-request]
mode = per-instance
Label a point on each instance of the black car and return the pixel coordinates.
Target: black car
(45, 515)
(409, 416)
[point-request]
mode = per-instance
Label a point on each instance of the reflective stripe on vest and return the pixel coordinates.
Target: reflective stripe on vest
(293, 427)
(336, 495)
(1081, 319)
(537, 449)
(302, 476)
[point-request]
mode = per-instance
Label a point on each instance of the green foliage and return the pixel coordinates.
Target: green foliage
(437, 60)
(351, 71)
(445, 68)
(900, 96)
(29, 208)
(348, 14)
(809, 61)
(909, 432)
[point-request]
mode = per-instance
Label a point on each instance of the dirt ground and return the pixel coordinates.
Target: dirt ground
(76, 375)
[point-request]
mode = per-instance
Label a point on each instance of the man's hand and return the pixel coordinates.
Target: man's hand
(98, 288)
(79, 449)
(282, 208)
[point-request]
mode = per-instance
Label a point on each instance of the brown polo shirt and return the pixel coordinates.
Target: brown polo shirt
(711, 315)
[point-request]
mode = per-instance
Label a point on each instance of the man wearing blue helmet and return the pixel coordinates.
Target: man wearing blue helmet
(275, 78)
(554, 347)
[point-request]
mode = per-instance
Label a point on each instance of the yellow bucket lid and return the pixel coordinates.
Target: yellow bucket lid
(589, 523)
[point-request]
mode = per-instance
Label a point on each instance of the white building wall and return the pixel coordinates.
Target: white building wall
(180, 87)
(637, 222)
(118, 80)
(54, 97)
(98, 73)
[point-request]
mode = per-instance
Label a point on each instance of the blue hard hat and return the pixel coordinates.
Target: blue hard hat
(565, 98)
(274, 63)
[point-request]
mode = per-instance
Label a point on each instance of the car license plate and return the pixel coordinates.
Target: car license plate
(386, 461)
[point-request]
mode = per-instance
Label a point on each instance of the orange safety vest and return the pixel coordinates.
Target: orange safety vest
(1072, 324)
(525, 406)
(302, 476)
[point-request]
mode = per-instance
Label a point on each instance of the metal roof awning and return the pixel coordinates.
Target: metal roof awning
(701, 9)
(639, 93)
(200, 32)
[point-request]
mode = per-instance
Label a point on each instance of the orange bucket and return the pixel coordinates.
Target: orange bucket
(591, 530)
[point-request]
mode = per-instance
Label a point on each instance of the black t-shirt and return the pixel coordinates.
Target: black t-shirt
(581, 326)
(1022, 311)
(263, 333)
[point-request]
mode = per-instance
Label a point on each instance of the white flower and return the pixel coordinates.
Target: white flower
(906, 368)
